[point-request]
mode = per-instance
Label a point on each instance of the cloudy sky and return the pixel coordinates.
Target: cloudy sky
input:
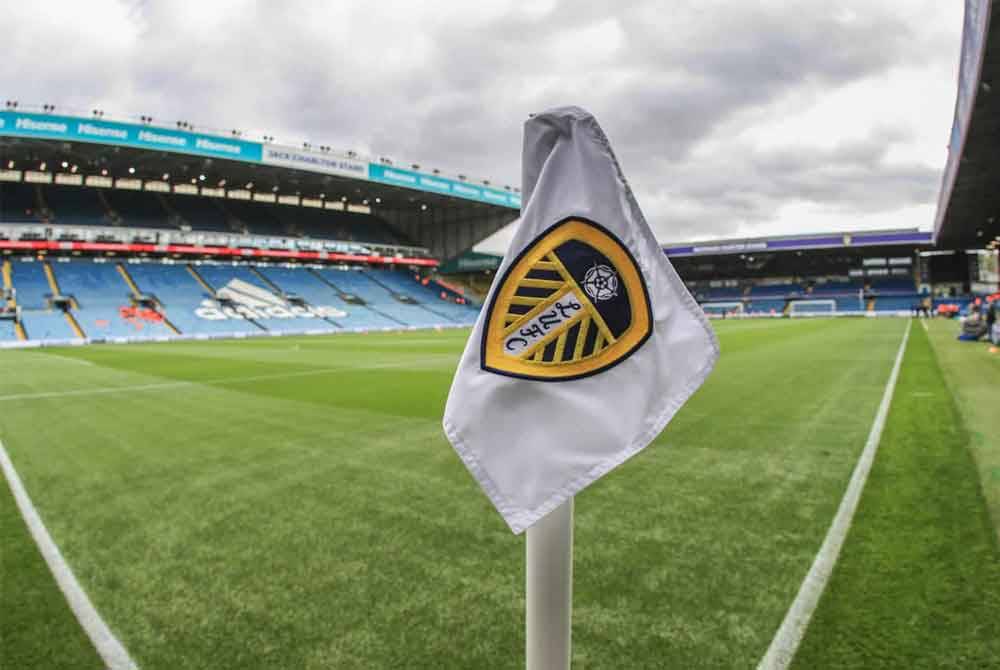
(730, 118)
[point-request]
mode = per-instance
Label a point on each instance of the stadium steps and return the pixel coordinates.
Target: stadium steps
(50, 276)
(405, 299)
(123, 271)
(22, 334)
(201, 280)
(355, 300)
(136, 292)
(41, 206)
(74, 324)
(8, 282)
(267, 282)
(211, 291)
(281, 292)
(173, 217)
(108, 209)
(788, 308)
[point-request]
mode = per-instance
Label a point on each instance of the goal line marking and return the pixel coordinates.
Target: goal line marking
(108, 647)
(786, 641)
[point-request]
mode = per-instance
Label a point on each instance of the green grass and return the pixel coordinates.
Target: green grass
(973, 376)
(918, 583)
(37, 629)
(293, 503)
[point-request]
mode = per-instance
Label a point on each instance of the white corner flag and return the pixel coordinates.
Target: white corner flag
(588, 343)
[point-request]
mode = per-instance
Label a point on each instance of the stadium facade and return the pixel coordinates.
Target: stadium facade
(132, 229)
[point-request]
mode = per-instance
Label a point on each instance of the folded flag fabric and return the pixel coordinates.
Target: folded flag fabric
(588, 342)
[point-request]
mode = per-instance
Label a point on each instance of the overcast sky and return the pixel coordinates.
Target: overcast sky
(730, 117)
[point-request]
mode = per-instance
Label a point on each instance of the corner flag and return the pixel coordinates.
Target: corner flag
(588, 343)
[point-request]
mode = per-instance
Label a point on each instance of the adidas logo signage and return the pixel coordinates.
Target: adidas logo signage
(241, 300)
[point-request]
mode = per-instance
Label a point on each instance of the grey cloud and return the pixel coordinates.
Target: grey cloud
(442, 86)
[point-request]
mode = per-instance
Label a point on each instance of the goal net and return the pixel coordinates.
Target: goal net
(812, 307)
(722, 309)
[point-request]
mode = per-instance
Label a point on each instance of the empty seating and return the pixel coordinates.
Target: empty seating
(104, 306)
(430, 298)
(7, 332)
(72, 205)
(18, 203)
(137, 209)
(181, 297)
(234, 299)
(46, 325)
(198, 212)
(30, 284)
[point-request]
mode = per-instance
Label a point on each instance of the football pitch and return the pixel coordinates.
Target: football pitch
(293, 503)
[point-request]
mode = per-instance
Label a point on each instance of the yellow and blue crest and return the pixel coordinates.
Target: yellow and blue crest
(572, 304)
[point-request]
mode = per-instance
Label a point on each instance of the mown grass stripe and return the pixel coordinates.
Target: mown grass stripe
(107, 645)
(918, 585)
(786, 641)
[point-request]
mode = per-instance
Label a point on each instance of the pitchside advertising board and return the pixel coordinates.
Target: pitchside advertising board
(55, 127)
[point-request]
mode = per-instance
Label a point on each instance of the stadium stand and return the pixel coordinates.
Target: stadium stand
(174, 288)
(31, 285)
(430, 298)
(308, 285)
(197, 212)
(74, 206)
(47, 325)
(18, 203)
(379, 298)
(102, 301)
(138, 210)
(7, 332)
(86, 206)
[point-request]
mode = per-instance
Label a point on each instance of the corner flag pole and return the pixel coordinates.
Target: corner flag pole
(550, 590)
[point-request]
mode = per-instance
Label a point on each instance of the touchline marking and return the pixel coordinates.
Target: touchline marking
(786, 641)
(206, 382)
(110, 649)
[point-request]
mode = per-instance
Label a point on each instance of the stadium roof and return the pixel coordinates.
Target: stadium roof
(969, 206)
(446, 214)
(905, 237)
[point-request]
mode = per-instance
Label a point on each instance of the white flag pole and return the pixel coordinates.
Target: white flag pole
(550, 590)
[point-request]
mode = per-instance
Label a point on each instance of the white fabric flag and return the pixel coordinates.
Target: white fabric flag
(588, 342)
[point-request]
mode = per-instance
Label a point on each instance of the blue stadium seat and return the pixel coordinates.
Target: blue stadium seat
(31, 286)
(7, 332)
(46, 325)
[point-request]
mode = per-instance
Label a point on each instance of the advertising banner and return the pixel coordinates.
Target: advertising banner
(314, 162)
(141, 136)
(48, 126)
(433, 183)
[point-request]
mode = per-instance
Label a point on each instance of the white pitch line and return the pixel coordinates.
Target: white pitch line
(793, 628)
(157, 386)
(110, 649)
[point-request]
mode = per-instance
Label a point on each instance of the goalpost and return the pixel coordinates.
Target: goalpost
(813, 308)
(723, 309)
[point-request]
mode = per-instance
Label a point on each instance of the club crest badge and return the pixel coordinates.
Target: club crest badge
(572, 304)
